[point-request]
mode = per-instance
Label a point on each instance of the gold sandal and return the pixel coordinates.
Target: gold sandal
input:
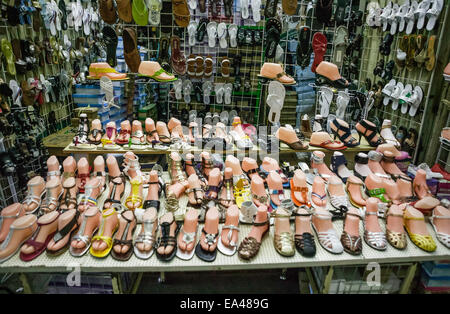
(425, 242)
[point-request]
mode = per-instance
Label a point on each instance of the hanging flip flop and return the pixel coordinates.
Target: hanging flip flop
(111, 40)
(319, 44)
(154, 14)
(192, 28)
(340, 45)
(232, 32)
(212, 33)
(416, 99)
(325, 99)
(140, 12)
(275, 100)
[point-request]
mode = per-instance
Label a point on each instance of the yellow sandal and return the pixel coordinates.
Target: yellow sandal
(425, 242)
(134, 197)
(242, 192)
(100, 236)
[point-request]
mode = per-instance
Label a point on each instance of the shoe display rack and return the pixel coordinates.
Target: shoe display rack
(415, 75)
(267, 257)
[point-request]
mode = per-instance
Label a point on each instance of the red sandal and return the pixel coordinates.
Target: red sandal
(319, 44)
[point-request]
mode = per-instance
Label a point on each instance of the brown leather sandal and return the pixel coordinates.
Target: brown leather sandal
(132, 58)
(249, 247)
(181, 12)
(177, 58)
(351, 244)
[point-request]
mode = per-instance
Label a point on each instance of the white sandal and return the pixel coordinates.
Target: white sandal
(226, 250)
(444, 238)
(329, 237)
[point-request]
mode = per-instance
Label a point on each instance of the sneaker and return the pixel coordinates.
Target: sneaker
(439, 169)
(430, 174)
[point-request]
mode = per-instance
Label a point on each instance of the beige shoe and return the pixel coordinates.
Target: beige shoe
(274, 71)
(19, 232)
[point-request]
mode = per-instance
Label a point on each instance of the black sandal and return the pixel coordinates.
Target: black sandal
(271, 8)
(7, 166)
(304, 243)
(273, 38)
(345, 138)
(165, 240)
(116, 204)
(111, 42)
(369, 138)
(212, 189)
(123, 241)
(304, 49)
(201, 29)
(210, 239)
(228, 4)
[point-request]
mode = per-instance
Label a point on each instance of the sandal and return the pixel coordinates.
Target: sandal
(181, 12)
(304, 194)
(249, 247)
(50, 200)
(154, 71)
(329, 239)
(283, 242)
(101, 234)
(228, 186)
(304, 243)
(165, 239)
(188, 237)
(67, 198)
(352, 244)
(347, 138)
(135, 196)
(125, 239)
(425, 242)
(64, 231)
(31, 198)
(372, 130)
(86, 200)
(177, 59)
(116, 204)
(396, 239)
(146, 236)
(81, 236)
(444, 238)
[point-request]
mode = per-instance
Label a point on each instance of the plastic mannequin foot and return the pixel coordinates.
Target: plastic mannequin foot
(83, 174)
(420, 184)
(259, 193)
(195, 192)
(70, 168)
(318, 193)
(53, 168)
(110, 224)
(231, 219)
(188, 233)
(276, 192)
(48, 224)
(115, 176)
(215, 178)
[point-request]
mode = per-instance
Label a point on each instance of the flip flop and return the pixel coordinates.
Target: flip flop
(416, 100)
(421, 13)
(201, 29)
(339, 14)
(228, 5)
(256, 10)
(140, 12)
(384, 16)
(433, 13)
(227, 94)
(429, 65)
(303, 47)
(325, 99)
(187, 89)
(275, 100)
(405, 98)
(111, 40)
(192, 28)
(221, 34)
(410, 17)
(154, 14)
(400, 16)
(396, 94)
(192, 4)
(144, 71)
(270, 8)
(387, 91)
(206, 256)
(340, 45)
(212, 33)
(244, 9)
(232, 32)
(273, 39)
(9, 56)
(319, 44)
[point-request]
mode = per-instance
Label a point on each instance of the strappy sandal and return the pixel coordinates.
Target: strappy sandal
(351, 244)
(379, 193)
(146, 237)
(222, 248)
(340, 205)
(376, 240)
(212, 189)
(228, 186)
(345, 138)
(304, 192)
(329, 237)
(249, 247)
(194, 191)
(83, 177)
(178, 167)
(80, 236)
(165, 239)
(33, 199)
(88, 201)
(283, 242)
(125, 239)
(62, 233)
(134, 197)
(304, 242)
(210, 239)
(93, 134)
(116, 204)
(67, 199)
(396, 239)
(100, 235)
(50, 200)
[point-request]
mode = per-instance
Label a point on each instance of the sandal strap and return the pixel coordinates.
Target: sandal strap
(67, 228)
(322, 197)
(210, 238)
(152, 203)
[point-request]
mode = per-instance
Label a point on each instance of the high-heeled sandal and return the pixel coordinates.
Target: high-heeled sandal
(134, 197)
(116, 204)
(369, 138)
(345, 138)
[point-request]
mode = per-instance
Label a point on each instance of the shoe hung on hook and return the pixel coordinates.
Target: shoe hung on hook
(328, 73)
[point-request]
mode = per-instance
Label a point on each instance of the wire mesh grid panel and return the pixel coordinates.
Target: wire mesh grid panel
(374, 71)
